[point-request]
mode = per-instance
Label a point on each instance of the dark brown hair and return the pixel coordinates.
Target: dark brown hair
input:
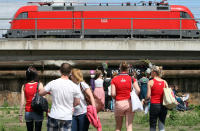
(98, 73)
(31, 74)
(65, 69)
(123, 66)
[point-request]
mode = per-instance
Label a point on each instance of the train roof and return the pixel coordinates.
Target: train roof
(103, 8)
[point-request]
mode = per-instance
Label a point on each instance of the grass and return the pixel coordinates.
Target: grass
(176, 121)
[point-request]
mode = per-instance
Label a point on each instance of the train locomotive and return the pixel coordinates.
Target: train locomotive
(103, 20)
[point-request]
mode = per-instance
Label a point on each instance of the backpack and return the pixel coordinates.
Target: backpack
(143, 87)
(39, 104)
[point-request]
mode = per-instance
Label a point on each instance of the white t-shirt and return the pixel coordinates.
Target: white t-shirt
(63, 93)
(82, 108)
(98, 82)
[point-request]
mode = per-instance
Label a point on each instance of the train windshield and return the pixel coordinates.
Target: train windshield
(185, 15)
(23, 15)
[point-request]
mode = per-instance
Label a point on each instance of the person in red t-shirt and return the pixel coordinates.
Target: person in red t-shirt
(155, 93)
(121, 87)
(27, 93)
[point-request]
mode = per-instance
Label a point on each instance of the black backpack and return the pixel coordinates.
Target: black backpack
(39, 104)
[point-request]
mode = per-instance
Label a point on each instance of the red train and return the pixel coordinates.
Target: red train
(102, 20)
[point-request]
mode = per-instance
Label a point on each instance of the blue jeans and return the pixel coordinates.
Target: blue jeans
(32, 116)
(80, 123)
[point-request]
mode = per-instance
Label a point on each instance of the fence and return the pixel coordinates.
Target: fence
(132, 21)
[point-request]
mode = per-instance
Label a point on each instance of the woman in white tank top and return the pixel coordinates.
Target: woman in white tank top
(99, 91)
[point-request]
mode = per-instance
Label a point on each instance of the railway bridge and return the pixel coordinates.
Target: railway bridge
(180, 58)
(99, 49)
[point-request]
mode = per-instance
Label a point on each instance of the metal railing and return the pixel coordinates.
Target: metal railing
(36, 21)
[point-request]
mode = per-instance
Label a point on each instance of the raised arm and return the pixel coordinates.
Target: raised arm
(42, 90)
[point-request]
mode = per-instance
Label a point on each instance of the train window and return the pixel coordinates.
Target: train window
(23, 15)
(162, 8)
(58, 8)
(70, 8)
(185, 15)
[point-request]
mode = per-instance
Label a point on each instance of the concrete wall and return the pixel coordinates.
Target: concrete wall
(99, 49)
(101, 44)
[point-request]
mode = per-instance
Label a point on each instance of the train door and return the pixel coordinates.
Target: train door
(77, 22)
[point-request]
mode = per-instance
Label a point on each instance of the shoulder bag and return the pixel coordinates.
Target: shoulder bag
(98, 103)
(39, 104)
(169, 100)
(136, 103)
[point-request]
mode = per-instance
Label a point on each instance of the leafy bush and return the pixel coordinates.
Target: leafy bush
(2, 128)
(189, 118)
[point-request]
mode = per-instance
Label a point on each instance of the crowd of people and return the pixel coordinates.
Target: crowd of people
(74, 102)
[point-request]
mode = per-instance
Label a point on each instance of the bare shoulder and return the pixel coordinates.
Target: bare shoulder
(150, 82)
(165, 82)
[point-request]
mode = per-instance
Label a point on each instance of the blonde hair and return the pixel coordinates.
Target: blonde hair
(157, 70)
(77, 73)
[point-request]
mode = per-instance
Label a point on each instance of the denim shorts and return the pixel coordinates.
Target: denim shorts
(32, 116)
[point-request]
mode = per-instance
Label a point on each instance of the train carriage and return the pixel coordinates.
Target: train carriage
(102, 20)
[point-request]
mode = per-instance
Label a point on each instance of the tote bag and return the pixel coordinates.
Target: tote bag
(136, 103)
(169, 100)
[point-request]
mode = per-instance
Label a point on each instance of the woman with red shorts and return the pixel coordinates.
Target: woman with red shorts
(121, 87)
(155, 92)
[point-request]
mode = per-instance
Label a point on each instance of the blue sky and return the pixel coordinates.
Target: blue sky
(9, 7)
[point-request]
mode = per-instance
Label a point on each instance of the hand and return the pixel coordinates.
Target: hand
(47, 113)
(143, 101)
(21, 118)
